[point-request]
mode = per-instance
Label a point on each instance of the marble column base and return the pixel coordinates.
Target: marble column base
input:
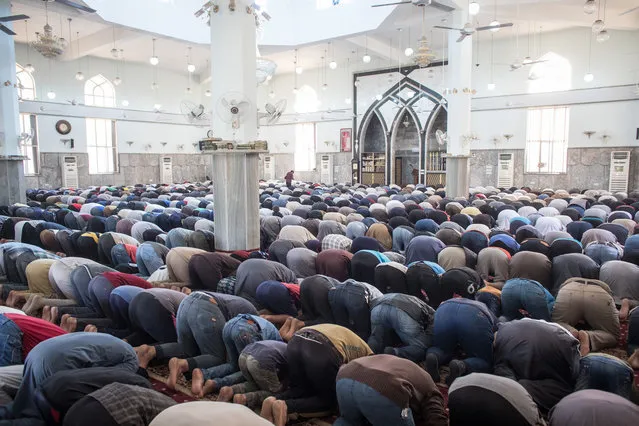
(457, 176)
(12, 186)
(236, 201)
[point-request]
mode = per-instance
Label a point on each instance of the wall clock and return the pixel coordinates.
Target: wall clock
(63, 127)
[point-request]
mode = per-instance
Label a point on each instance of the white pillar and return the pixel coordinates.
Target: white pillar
(11, 169)
(235, 173)
(233, 63)
(460, 65)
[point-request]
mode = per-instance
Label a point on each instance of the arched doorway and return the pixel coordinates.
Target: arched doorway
(373, 148)
(405, 149)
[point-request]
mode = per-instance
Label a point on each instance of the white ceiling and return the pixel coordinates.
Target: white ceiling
(350, 27)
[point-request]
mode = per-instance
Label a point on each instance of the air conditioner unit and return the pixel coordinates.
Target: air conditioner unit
(70, 171)
(505, 171)
(269, 167)
(166, 170)
(326, 169)
(619, 171)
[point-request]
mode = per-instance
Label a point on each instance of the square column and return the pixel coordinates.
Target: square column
(236, 200)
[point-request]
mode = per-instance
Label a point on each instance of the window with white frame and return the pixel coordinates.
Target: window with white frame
(547, 140)
(101, 145)
(26, 84)
(29, 143)
(99, 91)
(304, 146)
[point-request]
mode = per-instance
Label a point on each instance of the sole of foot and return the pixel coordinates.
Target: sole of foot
(584, 343)
(175, 372)
(226, 394)
(432, 366)
(267, 409)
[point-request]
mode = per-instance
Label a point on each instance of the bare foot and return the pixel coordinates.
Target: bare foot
(267, 409)
(634, 360)
(280, 413)
(90, 328)
(226, 394)
(69, 324)
(623, 312)
(175, 288)
(9, 302)
(584, 343)
(209, 387)
(145, 354)
(46, 313)
(54, 314)
(197, 381)
(177, 367)
(186, 290)
(239, 398)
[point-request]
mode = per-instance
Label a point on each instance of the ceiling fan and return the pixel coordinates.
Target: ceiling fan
(629, 11)
(527, 61)
(11, 19)
(431, 3)
(73, 5)
(469, 30)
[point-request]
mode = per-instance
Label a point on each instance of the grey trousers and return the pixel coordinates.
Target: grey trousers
(10, 379)
(260, 382)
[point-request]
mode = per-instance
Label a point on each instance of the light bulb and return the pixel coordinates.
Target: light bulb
(117, 81)
(51, 94)
(154, 86)
(366, 58)
(409, 51)
(299, 70)
(188, 90)
(589, 77)
(598, 26)
(29, 68)
(491, 86)
(590, 6)
(357, 83)
(154, 60)
(332, 65)
(390, 78)
(495, 23)
(603, 36)
(125, 103)
(190, 67)
(348, 101)
(295, 90)
(271, 94)
(269, 77)
(115, 52)
(207, 93)
(324, 86)
(79, 76)
(526, 60)
(157, 107)
(473, 8)
(378, 97)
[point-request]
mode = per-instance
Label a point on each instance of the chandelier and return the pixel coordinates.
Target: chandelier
(265, 70)
(48, 44)
(424, 56)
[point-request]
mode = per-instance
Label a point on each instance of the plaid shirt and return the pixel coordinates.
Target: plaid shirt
(132, 405)
(336, 241)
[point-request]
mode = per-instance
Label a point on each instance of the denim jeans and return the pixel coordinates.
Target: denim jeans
(351, 308)
(361, 405)
(633, 331)
(492, 302)
(386, 320)
(598, 371)
(10, 342)
(148, 260)
(238, 333)
(119, 255)
(460, 322)
(199, 326)
(529, 295)
(260, 382)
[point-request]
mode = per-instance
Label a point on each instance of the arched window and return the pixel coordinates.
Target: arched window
(99, 91)
(26, 84)
(554, 74)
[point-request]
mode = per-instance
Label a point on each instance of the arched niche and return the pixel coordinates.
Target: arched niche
(405, 147)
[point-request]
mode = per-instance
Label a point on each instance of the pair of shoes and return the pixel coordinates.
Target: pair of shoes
(432, 367)
(457, 369)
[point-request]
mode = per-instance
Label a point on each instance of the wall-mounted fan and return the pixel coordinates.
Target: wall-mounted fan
(25, 137)
(11, 19)
(469, 29)
(273, 112)
(193, 112)
(431, 3)
(441, 136)
(232, 108)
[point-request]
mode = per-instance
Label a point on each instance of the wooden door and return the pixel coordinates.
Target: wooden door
(398, 172)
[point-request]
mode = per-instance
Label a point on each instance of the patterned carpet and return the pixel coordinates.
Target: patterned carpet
(159, 375)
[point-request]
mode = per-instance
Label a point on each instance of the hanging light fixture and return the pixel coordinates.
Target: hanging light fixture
(51, 94)
(298, 68)
(189, 66)
(207, 93)
(271, 94)
(366, 58)
(491, 85)
(78, 75)
(332, 64)
(295, 89)
(154, 60)
(48, 44)
(125, 103)
(590, 6)
(424, 56)
(28, 67)
(409, 50)
(588, 77)
(495, 23)
(117, 81)
(599, 23)
(473, 8)
(603, 36)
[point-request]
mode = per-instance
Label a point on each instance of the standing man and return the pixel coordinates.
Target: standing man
(289, 179)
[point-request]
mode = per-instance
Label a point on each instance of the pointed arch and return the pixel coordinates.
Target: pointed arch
(26, 84)
(99, 91)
